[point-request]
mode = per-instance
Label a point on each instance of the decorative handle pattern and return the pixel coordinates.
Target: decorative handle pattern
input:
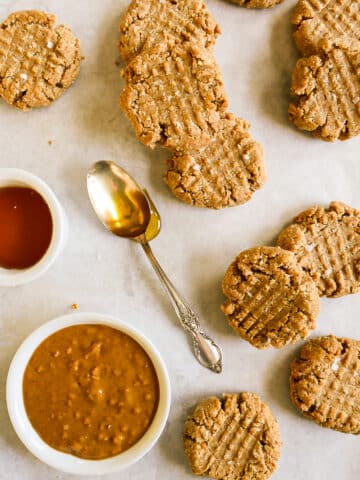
(205, 349)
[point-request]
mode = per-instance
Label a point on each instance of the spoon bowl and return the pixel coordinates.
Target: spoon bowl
(118, 200)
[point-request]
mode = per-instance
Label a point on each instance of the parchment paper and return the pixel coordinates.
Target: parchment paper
(105, 274)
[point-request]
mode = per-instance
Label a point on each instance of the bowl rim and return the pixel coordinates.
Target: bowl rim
(18, 177)
(63, 461)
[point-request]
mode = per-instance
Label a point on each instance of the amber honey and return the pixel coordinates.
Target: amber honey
(25, 227)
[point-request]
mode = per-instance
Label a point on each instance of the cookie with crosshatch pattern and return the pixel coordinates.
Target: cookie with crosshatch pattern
(326, 91)
(326, 81)
(324, 22)
(38, 59)
(235, 437)
(146, 21)
(174, 95)
(325, 383)
(326, 243)
(225, 173)
(271, 301)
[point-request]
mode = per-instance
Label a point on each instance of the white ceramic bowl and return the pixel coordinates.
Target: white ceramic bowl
(16, 177)
(66, 462)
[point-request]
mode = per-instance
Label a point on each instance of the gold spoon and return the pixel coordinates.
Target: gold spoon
(128, 211)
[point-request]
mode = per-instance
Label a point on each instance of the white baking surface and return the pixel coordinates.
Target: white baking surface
(105, 274)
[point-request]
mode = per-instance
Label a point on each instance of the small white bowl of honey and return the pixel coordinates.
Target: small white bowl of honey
(33, 227)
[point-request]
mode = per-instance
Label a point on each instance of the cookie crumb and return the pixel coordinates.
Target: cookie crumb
(310, 247)
(50, 142)
(335, 365)
(74, 306)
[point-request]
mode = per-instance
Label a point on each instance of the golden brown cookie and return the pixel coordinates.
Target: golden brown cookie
(271, 301)
(232, 438)
(38, 60)
(224, 173)
(326, 82)
(326, 243)
(326, 88)
(325, 383)
(146, 21)
(324, 22)
(256, 3)
(174, 95)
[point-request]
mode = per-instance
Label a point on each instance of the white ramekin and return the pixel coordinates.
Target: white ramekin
(16, 177)
(62, 461)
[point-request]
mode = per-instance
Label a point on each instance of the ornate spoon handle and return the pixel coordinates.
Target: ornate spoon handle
(206, 350)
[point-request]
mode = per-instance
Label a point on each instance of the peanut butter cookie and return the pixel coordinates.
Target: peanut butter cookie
(233, 438)
(224, 173)
(325, 21)
(326, 243)
(38, 60)
(325, 383)
(326, 88)
(146, 21)
(326, 82)
(271, 300)
(174, 95)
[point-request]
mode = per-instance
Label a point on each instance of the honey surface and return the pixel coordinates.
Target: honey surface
(25, 227)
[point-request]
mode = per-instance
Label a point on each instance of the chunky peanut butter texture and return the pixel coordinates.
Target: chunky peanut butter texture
(90, 391)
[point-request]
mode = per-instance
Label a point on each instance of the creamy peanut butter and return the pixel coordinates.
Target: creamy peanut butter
(91, 391)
